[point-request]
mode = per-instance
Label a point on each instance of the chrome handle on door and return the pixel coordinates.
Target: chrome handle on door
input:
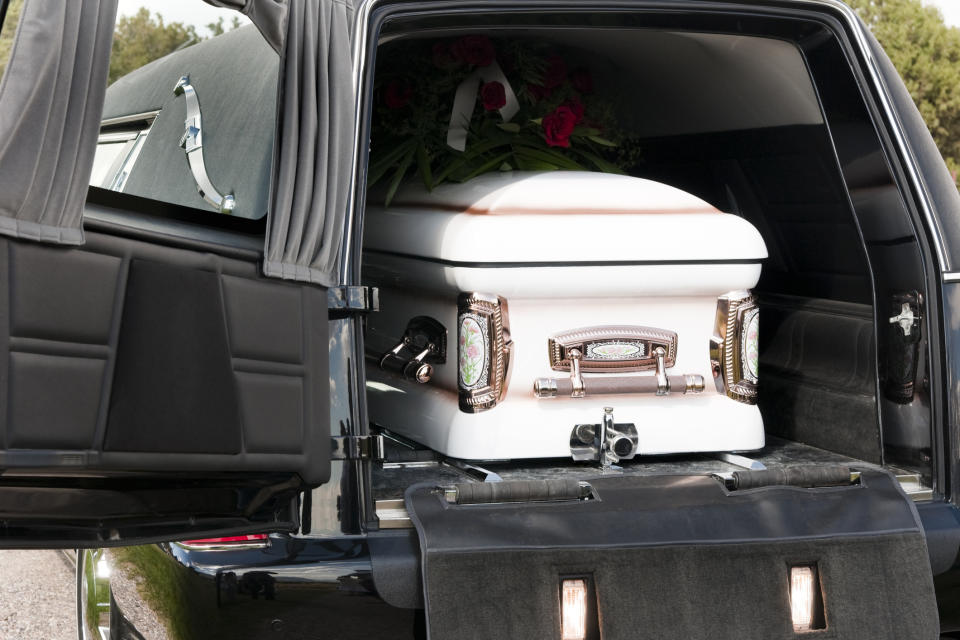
(192, 144)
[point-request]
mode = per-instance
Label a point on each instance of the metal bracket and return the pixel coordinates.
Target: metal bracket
(606, 443)
(357, 448)
(424, 344)
(351, 300)
(192, 144)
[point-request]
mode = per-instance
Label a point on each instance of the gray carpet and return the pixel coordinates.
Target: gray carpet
(678, 557)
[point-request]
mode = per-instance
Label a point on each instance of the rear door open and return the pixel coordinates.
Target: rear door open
(154, 383)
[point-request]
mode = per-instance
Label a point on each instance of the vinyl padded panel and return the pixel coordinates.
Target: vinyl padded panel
(272, 408)
(265, 320)
(54, 401)
(47, 287)
(173, 388)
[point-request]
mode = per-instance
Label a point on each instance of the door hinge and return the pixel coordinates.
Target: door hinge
(357, 448)
(353, 300)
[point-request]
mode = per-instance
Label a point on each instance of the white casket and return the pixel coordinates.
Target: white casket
(517, 306)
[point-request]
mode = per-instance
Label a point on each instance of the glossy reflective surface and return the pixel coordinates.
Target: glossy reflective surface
(292, 588)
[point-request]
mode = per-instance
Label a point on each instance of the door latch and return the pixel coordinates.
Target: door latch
(903, 347)
(906, 319)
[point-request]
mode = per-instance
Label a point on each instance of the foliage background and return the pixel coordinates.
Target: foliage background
(923, 48)
(926, 52)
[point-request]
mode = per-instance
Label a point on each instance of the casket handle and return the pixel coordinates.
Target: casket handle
(577, 386)
(424, 344)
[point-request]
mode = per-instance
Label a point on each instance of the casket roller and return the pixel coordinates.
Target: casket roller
(566, 293)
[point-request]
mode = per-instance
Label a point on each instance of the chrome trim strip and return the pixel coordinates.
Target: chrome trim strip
(120, 179)
(144, 116)
(192, 144)
(118, 136)
(238, 546)
(951, 276)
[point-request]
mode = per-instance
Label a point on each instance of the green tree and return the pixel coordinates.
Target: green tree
(142, 38)
(926, 52)
(218, 28)
(7, 32)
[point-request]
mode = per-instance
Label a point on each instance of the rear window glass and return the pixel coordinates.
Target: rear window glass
(190, 111)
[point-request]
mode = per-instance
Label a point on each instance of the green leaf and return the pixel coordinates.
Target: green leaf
(468, 155)
(398, 175)
(602, 141)
(552, 157)
(487, 166)
(598, 162)
(529, 164)
(510, 127)
(585, 131)
(423, 166)
(381, 166)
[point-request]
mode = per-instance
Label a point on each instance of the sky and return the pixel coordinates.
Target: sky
(195, 12)
(949, 8)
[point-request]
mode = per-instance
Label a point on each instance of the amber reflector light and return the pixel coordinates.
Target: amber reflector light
(573, 609)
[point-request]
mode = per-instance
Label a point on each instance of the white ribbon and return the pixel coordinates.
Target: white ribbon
(466, 98)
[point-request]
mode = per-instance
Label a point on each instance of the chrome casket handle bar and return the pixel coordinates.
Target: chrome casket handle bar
(609, 385)
(577, 386)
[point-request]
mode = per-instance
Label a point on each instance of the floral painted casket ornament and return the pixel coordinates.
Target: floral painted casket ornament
(562, 293)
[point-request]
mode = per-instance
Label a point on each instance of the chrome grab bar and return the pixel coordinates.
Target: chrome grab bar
(192, 144)
(577, 386)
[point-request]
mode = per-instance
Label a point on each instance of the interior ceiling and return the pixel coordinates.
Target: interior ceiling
(676, 83)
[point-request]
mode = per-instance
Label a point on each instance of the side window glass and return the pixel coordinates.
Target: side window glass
(190, 111)
(9, 19)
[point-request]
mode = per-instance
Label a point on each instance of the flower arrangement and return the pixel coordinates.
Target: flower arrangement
(451, 110)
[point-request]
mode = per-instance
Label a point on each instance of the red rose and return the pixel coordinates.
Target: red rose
(475, 50)
(576, 107)
(558, 126)
(582, 81)
(398, 94)
(556, 72)
(538, 92)
(443, 57)
(494, 96)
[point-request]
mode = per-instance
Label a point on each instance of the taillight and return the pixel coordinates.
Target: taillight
(228, 542)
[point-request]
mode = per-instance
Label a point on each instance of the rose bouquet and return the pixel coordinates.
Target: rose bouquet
(451, 110)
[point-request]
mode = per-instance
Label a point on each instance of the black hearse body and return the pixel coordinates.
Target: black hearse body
(187, 407)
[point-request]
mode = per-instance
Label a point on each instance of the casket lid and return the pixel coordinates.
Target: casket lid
(558, 217)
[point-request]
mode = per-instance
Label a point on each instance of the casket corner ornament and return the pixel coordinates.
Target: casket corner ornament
(484, 348)
(734, 348)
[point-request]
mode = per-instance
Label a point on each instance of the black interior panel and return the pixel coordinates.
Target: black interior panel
(818, 375)
(130, 356)
(173, 386)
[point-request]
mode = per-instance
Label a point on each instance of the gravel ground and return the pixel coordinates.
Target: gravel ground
(37, 596)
